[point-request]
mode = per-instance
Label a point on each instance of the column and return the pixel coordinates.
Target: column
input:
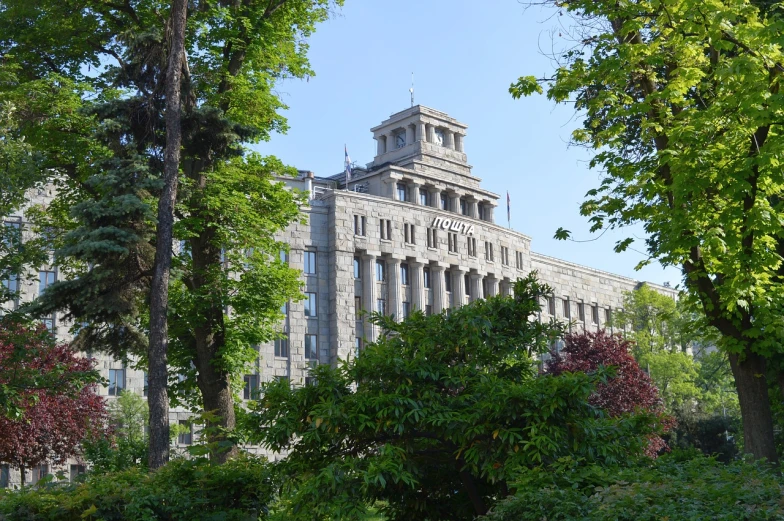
(393, 288)
(454, 202)
(379, 145)
(449, 139)
(458, 287)
(437, 286)
(391, 187)
(507, 288)
(472, 209)
(390, 142)
(431, 134)
(421, 131)
(459, 142)
(414, 192)
(489, 209)
(476, 287)
(409, 134)
(492, 286)
(417, 288)
(369, 293)
(435, 197)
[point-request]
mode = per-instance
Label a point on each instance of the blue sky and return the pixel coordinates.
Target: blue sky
(464, 54)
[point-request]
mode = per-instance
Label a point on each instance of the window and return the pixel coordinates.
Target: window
(463, 206)
(448, 281)
(311, 347)
(310, 262)
(282, 379)
(282, 347)
(310, 380)
(519, 260)
(5, 477)
(385, 229)
(402, 192)
(471, 246)
(452, 242)
(444, 202)
(404, 274)
(551, 305)
(381, 306)
(284, 256)
(432, 238)
(504, 255)
(284, 309)
(608, 316)
(485, 288)
(426, 277)
(357, 346)
(251, 389)
(381, 271)
(424, 197)
(410, 237)
(581, 311)
(428, 310)
(358, 308)
(45, 279)
(467, 284)
(310, 304)
(116, 381)
(40, 472)
(489, 251)
(567, 310)
(406, 310)
(11, 285)
(595, 313)
(360, 225)
(76, 471)
(50, 323)
(480, 211)
(186, 433)
(357, 268)
(146, 389)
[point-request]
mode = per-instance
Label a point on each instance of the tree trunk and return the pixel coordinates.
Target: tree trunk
(752, 386)
(215, 387)
(22, 475)
(480, 508)
(158, 396)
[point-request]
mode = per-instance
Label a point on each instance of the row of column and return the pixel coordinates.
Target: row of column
(435, 199)
(420, 131)
(438, 272)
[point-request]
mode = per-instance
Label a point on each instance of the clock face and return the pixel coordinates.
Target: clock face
(400, 140)
(439, 137)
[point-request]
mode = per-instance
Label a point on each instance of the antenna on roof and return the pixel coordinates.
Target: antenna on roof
(411, 90)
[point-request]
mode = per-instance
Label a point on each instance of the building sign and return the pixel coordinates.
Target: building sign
(453, 225)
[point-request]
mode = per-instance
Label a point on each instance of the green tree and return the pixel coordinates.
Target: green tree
(125, 446)
(94, 109)
(435, 418)
(681, 104)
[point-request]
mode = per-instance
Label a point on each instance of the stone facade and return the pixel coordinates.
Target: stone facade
(412, 230)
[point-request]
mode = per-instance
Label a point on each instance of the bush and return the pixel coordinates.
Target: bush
(241, 489)
(672, 488)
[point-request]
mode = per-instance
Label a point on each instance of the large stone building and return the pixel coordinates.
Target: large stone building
(413, 230)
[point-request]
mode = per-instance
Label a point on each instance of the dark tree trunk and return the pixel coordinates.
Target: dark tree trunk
(158, 396)
(752, 386)
(469, 485)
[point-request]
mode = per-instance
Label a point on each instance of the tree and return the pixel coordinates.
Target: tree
(681, 103)
(107, 154)
(437, 416)
(627, 391)
(53, 420)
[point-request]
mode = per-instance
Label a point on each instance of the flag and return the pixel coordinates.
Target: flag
(348, 166)
(508, 207)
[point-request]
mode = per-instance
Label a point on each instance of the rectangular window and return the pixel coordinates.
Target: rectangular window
(284, 309)
(424, 197)
(432, 238)
(504, 255)
(186, 433)
(311, 347)
(467, 284)
(310, 304)
(310, 262)
(40, 472)
(595, 313)
(381, 306)
(489, 251)
(410, 235)
(406, 310)
(485, 288)
(310, 380)
(357, 346)
(567, 310)
(404, 274)
(360, 225)
(381, 271)
(448, 281)
(519, 260)
(50, 323)
(358, 308)
(608, 316)
(463, 206)
(251, 389)
(428, 310)
(284, 256)
(471, 246)
(5, 476)
(116, 381)
(480, 211)
(76, 471)
(551, 305)
(426, 277)
(444, 202)
(282, 347)
(402, 192)
(385, 229)
(452, 242)
(581, 311)
(357, 268)
(45, 279)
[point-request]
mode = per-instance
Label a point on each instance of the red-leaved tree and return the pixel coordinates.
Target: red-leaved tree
(629, 390)
(50, 398)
